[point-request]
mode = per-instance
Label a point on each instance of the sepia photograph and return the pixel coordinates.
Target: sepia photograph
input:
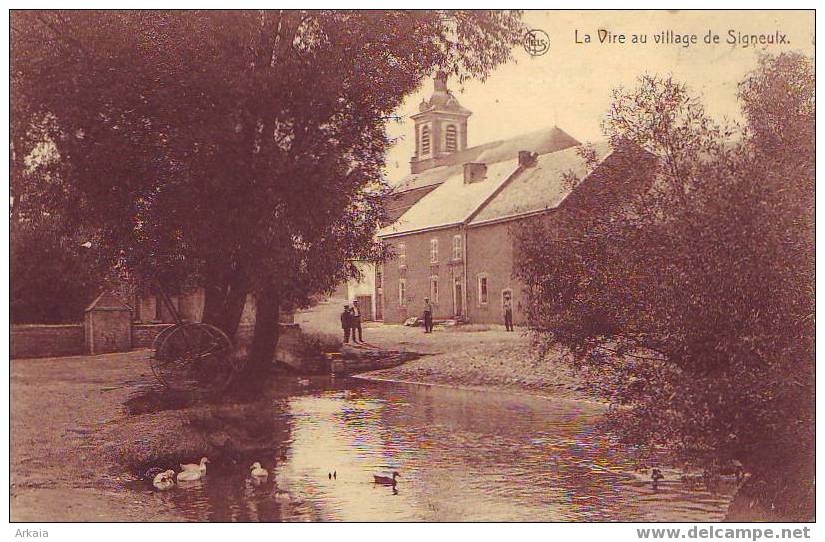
(413, 265)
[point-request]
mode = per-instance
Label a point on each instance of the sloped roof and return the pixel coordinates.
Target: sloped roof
(453, 201)
(108, 301)
(541, 142)
(396, 204)
(540, 187)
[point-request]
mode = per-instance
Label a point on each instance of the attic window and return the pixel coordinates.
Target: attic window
(451, 139)
(425, 140)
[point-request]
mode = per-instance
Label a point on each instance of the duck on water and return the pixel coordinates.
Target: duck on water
(386, 480)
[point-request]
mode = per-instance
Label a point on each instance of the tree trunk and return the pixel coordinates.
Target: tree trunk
(224, 304)
(212, 305)
(233, 307)
(265, 340)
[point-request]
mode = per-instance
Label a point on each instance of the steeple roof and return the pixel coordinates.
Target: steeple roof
(442, 100)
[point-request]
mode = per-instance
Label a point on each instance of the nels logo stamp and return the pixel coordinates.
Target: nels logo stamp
(536, 42)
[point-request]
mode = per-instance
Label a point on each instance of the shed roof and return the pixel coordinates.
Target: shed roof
(108, 301)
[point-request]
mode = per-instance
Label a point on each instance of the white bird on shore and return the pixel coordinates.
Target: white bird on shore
(257, 471)
(200, 467)
(189, 475)
(164, 480)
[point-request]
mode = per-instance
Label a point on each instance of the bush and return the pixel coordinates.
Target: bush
(692, 304)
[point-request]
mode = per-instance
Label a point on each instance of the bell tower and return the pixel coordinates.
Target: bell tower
(440, 127)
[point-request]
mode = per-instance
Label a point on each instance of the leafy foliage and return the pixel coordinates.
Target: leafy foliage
(236, 150)
(55, 277)
(691, 306)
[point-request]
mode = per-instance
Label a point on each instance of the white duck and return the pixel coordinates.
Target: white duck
(281, 496)
(201, 467)
(164, 480)
(257, 471)
(189, 475)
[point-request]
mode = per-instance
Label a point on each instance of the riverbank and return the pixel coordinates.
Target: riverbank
(84, 427)
(476, 357)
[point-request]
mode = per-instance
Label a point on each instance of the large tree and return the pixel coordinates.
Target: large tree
(692, 305)
(241, 151)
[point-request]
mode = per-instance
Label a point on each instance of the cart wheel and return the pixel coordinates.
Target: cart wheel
(159, 337)
(194, 356)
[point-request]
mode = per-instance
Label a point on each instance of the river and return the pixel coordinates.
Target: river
(461, 455)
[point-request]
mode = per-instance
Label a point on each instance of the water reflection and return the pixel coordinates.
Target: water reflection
(462, 456)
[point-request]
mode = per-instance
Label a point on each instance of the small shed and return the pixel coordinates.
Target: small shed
(108, 324)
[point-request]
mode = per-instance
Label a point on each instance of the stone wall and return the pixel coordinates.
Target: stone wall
(289, 346)
(143, 335)
(38, 341)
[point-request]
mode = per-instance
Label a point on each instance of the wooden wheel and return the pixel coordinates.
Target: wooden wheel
(159, 337)
(194, 356)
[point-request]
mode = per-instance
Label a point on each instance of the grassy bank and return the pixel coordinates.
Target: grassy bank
(62, 466)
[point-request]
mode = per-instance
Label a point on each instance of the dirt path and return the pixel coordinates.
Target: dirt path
(58, 471)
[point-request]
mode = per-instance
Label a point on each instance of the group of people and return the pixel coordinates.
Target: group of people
(351, 323)
(351, 319)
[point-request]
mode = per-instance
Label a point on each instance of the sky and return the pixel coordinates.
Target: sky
(570, 85)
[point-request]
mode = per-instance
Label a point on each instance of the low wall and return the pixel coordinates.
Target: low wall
(143, 335)
(39, 341)
(43, 341)
(288, 350)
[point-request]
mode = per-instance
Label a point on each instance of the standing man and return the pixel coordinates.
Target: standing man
(428, 316)
(508, 313)
(356, 322)
(346, 323)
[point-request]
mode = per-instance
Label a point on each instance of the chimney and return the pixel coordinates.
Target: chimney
(474, 172)
(440, 82)
(527, 158)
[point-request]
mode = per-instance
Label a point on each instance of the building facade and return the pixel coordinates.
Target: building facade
(451, 238)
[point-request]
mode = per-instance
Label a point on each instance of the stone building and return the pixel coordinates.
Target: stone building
(452, 217)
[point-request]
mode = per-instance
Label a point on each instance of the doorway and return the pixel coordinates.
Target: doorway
(458, 298)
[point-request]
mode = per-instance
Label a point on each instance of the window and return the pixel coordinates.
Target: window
(433, 250)
(482, 289)
(457, 252)
(451, 139)
(402, 291)
(425, 140)
(434, 289)
(402, 254)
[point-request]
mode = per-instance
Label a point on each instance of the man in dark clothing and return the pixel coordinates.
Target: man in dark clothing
(346, 322)
(428, 316)
(508, 313)
(356, 322)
